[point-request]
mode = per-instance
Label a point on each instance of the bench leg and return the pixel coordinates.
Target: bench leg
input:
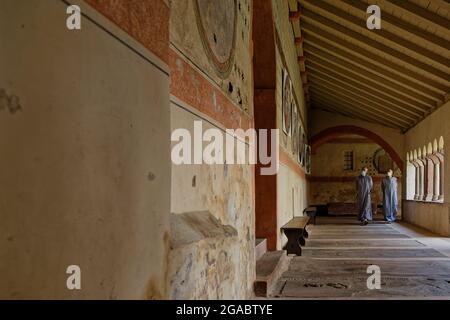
(301, 241)
(294, 242)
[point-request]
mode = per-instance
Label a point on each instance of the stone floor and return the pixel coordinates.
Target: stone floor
(414, 264)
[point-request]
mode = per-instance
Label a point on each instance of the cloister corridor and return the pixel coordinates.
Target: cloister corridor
(232, 150)
(414, 264)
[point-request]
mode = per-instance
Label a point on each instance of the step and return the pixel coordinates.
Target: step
(269, 269)
(260, 247)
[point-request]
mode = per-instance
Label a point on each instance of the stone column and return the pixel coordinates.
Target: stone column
(417, 182)
(441, 181)
(437, 184)
(421, 182)
(429, 178)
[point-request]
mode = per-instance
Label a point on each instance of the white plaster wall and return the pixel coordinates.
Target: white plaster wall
(433, 127)
(85, 164)
(292, 198)
(291, 188)
(432, 216)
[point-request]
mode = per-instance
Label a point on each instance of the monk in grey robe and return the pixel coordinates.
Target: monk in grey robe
(364, 185)
(389, 188)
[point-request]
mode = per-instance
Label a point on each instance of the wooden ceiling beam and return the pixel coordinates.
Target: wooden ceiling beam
(345, 86)
(369, 84)
(380, 35)
(360, 104)
(369, 65)
(422, 14)
(362, 113)
(359, 97)
(317, 32)
(369, 75)
(365, 42)
(400, 24)
(294, 16)
(321, 105)
(342, 105)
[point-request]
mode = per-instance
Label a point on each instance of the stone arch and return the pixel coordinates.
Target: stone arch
(435, 146)
(334, 132)
(429, 149)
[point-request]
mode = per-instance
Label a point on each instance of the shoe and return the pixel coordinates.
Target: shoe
(366, 222)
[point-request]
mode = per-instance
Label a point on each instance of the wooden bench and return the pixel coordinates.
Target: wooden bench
(295, 231)
(311, 213)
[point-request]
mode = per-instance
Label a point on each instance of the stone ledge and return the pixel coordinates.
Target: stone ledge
(190, 227)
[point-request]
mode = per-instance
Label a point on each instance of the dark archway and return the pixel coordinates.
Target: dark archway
(335, 132)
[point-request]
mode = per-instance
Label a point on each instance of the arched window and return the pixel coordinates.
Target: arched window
(410, 176)
(425, 172)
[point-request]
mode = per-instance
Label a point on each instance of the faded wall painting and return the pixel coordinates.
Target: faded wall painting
(308, 159)
(287, 103)
(295, 129)
(216, 21)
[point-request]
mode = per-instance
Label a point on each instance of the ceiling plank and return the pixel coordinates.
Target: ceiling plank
(342, 102)
(359, 104)
(317, 32)
(372, 85)
(397, 23)
(368, 65)
(356, 95)
(363, 115)
(318, 105)
(422, 14)
(346, 86)
(328, 74)
(343, 105)
(381, 34)
(325, 107)
(375, 46)
(369, 75)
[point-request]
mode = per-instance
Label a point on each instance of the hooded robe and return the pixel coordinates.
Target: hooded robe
(389, 188)
(364, 185)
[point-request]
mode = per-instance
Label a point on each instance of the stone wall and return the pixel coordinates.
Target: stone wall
(330, 183)
(211, 81)
(291, 181)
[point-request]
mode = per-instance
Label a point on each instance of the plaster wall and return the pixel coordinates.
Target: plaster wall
(292, 188)
(321, 120)
(222, 265)
(86, 158)
(432, 216)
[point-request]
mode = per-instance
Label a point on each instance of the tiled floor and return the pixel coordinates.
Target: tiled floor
(414, 264)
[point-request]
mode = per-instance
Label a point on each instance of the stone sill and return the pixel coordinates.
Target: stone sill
(427, 202)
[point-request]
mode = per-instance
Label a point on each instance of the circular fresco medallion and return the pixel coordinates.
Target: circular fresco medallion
(216, 21)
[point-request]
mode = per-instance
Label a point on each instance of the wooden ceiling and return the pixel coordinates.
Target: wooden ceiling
(395, 76)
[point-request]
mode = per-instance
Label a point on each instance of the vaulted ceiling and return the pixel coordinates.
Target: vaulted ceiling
(395, 76)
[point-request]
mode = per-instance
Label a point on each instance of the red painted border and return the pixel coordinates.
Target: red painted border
(191, 87)
(343, 179)
(145, 21)
(286, 159)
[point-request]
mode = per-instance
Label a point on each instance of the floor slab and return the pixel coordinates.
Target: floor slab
(414, 264)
